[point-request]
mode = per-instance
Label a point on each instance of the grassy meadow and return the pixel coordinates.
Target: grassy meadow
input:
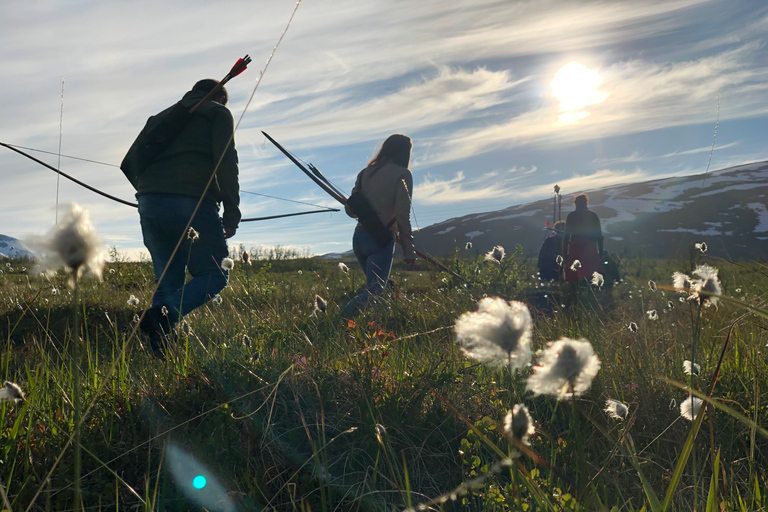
(280, 406)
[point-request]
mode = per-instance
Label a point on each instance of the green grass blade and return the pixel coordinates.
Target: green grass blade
(717, 405)
(683, 460)
(712, 497)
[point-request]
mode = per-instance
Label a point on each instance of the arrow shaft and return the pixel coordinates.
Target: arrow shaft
(339, 197)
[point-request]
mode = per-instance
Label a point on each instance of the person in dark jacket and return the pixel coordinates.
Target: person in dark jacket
(199, 162)
(549, 268)
(582, 242)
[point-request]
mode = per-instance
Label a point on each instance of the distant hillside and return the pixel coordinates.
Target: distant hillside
(12, 248)
(659, 218)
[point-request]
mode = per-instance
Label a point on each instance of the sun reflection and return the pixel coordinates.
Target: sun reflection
(575, 87)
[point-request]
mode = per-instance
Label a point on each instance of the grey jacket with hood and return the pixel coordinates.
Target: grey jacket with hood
(389, 188)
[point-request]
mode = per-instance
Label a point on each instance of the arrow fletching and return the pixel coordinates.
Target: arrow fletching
(240, 66)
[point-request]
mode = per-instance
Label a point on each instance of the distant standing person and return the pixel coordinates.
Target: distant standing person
(549, 268)
(387, 185)
(583, 241)
(168, 189)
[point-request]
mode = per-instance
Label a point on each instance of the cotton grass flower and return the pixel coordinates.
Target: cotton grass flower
(598, 279)
(320, 304)
(576, 265)
(72, 244)
(217, 300)
(652, 286)
(632, 326)
(227, 264)
(682, 282)
(559, 260)
(498, 333)
(246, 258)
(496, 254)
(133, 301)
(652, 315)
(689, 408)
(709, 284)
(192, 234)
(343, 267)
(615, 409)
(691, 369)
(468, 246)
(519, 423)
(565, 369)
(11, 391)
(701, 247)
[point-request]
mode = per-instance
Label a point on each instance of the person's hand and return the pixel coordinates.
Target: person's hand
(229, 232)
(410, 263)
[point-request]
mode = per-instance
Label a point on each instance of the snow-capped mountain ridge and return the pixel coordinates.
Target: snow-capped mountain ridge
(658, 218)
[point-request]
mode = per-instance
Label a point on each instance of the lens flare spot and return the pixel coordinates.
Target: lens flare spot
(199, 482)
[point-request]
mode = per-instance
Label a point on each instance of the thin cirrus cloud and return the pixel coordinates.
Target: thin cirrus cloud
(461, 188)
(448, 95)
(641, 96)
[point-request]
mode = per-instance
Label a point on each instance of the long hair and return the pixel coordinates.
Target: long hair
(396, 149)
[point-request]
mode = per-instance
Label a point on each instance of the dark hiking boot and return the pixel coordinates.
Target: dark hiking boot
(158, 329)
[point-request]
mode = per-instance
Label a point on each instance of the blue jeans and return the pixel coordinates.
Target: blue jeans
(163, 219)
(376, 262)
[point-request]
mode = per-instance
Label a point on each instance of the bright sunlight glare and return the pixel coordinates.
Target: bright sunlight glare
(575, 87)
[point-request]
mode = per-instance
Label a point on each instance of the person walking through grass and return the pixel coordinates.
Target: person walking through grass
(387, 185)
(582, 242)
(168, 189)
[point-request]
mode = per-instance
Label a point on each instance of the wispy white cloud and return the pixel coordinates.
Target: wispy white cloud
(642, 96)
(695, 151)
(459, 188)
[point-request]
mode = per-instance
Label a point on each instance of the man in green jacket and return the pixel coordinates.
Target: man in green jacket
(168, 189)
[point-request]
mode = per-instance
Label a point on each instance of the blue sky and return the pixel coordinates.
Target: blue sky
(472, 82)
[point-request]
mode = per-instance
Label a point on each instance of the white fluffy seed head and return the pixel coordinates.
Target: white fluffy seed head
(576, 265)
(498, 333)
(566, 369)
(632, 326)
(343, 267)
(689, 408)
(468, 246)
(652, 315)
(519, 423)
(133, 301)
(192, 234)
(709, 284)
(652, 285)
(701, 247)
(320, 303)
(615, 409)
(496, 254)
(217, 300)
(682, 282)
(691, 369)
(227, 264)
(72, 244)
(598, 279)
(11, 391)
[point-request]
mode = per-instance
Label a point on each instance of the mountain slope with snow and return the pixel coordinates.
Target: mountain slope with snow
(12, 248)
(727, 209)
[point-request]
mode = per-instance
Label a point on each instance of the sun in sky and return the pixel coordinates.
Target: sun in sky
(575, 86)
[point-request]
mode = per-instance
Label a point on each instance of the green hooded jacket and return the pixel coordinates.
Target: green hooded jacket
(185, 167)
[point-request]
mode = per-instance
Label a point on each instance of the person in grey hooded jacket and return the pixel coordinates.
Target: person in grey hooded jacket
(387, 184)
